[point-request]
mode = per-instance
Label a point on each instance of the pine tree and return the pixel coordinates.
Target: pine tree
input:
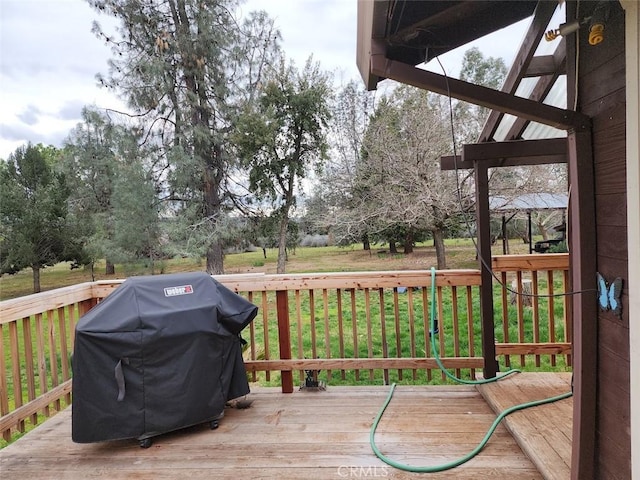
(184, 66)
(33, 229)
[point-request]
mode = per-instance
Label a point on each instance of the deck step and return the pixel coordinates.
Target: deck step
(543, 433)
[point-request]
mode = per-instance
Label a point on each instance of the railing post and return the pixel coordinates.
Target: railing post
(284, 337)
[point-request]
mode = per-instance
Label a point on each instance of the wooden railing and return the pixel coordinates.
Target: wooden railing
(36, 342)
(538, 321)
(365, 327)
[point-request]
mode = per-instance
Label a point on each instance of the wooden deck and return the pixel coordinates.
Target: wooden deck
(544, 432)
(313, 435)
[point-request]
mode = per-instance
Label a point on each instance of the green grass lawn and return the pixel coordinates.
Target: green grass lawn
(460, 254)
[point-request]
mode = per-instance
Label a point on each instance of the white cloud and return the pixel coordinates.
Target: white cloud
(30, 115)
(48, 62)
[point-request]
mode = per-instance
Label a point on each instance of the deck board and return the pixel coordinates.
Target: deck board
(312, 435)
(544, 432)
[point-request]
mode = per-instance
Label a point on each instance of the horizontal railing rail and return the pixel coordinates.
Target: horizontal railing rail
(349, 328)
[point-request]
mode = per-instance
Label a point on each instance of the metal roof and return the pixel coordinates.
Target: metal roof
(529, 201)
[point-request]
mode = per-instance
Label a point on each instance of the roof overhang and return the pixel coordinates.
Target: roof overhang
(414, 32)
(396, 36)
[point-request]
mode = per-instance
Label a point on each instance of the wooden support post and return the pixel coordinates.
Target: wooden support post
(284, 336)
(530, 231)
(484, 257)
(504, 235)
(582, 255)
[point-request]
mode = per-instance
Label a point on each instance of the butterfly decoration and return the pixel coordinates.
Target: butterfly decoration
(609, 295)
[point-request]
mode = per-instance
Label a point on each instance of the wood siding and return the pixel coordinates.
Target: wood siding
(602, 97)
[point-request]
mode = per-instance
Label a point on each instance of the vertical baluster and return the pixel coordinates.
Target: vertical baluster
(312, 324)
(520, 306)
(552, 314)
(412, 329)
(470, 330)
(64, 351)
(4, 398)
(299, 321)
(42, 364)
(456, 325)
(14, 347)
(396, 319)
(354, 328)
(441, 327)
(426, 321)
(340, 329)
(53, 355)
(536, 311)
(29, 365)
(505, 314)
(383, 333)
(252, 341)
(72, 325)
(327, 327)
(367, 308)
(265, 331)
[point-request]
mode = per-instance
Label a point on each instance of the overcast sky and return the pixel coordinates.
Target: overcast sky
(49, 58)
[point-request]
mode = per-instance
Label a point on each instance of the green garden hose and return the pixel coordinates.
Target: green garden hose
(434, 347)
(494, 425)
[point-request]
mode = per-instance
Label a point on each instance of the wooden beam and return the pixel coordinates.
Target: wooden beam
(540, 66)
(514, 149)
(541, 17)
(478, 95)
(456, 163)
(508, 154)
(554, 64)
(484, 255)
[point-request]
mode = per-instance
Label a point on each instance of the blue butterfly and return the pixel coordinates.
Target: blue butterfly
(609, 295)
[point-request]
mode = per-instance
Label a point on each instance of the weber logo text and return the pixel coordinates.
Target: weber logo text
(175, 291)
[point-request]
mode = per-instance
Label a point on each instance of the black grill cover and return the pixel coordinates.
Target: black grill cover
(160, 353)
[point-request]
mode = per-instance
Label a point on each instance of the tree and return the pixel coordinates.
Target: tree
(33, 231)
(479, 70)
(136, 214)
(283, 136)
(334, 205)
(114, 197)
(184, 66)
(399, 175)
(89, 161)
